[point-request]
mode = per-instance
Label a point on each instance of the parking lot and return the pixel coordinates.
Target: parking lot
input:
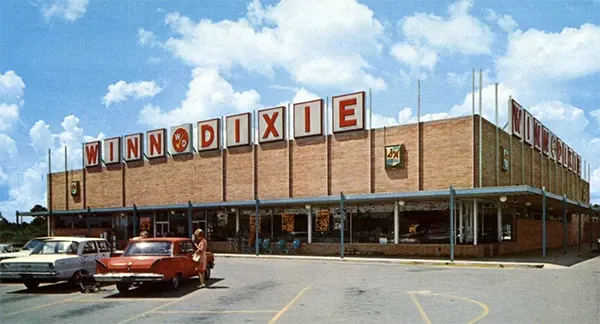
(296, 291)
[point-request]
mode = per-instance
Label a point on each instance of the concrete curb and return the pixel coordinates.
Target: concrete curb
(408, 262)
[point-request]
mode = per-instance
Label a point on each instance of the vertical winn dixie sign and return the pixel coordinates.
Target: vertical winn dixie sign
(531, 131)
(348, 114)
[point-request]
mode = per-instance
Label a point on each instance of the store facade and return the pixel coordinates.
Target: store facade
(396, 182)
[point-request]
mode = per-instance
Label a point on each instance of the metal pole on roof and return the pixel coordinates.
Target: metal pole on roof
(190, 232)
(564, 224)
(452, 231)
(256, 225)
(343, 215)
(480, 126)
(544, 222)
(134, 220)
(370, 109)
(497, 135)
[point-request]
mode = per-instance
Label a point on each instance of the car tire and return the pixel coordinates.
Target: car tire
(207, 274)
(76, 279)
(173, 284)
(31, 285)
(123, 287)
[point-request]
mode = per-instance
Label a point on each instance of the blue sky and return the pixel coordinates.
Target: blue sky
(72, 71)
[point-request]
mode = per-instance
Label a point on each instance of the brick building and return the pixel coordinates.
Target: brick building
(396, 184)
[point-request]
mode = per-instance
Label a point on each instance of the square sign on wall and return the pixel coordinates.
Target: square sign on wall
(181, 139)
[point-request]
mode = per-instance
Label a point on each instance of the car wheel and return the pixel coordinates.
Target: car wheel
(207, 274)
(173, 284)
(31, 284)
(123, 287)
(76, 279)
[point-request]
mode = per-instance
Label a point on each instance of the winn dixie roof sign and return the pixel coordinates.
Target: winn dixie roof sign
(348, 114)
(532, 132)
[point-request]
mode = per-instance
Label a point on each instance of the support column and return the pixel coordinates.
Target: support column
(343, 215)
(153, 223)
(475, 215)
(309, 219)
(134, 220)
(460, 222)
(499, 222)
(48, 225)
(256, 225)
(190, 230)
(87, 221)
(452, 231)
(565, 225)
(544, 222)
(237, 220)
(396, 222)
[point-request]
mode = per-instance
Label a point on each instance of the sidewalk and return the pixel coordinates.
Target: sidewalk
(532, 260)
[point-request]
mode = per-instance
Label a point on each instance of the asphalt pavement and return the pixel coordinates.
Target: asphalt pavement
(321, 291)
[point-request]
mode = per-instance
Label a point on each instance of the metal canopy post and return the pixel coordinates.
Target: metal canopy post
(309, 220)
(564, 224)
(256, 225)
(460, 222)
(544, 222)
(499, 220)
(475, 205)
(343, 214)
(134, 220)
(190, 232)
(452, 231)
(579, 221)
(396, 222)
(87, 221)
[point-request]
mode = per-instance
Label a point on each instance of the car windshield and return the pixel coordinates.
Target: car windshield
(32, 244)
(4, 249)
(56, 247)
(149, 248)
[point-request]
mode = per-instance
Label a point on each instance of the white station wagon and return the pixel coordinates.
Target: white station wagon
(56, 259)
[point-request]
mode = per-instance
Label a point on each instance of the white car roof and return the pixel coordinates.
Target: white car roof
(74, 239)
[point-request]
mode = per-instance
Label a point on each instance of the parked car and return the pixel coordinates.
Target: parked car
(56, 259)
(24, 251)
(166, 261)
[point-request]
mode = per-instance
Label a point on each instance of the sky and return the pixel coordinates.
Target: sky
(73, 71)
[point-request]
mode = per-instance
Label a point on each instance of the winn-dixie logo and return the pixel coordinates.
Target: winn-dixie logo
(348, 114)
(532, 132)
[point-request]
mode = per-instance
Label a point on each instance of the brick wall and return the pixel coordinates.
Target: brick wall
(447, 153)
(273, 173)
(309, 157)
(446, 159)
(396, 179)
(544, 168)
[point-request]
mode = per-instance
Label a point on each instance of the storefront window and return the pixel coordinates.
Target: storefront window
(68, 221)
(100, 221)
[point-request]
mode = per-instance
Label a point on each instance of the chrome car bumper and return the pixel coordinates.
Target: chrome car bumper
(22, 276)
(128, 277)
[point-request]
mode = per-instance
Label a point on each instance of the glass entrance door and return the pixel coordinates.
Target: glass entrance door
(162, 229)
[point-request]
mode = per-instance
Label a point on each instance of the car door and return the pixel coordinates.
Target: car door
(89, 255)
(104, 250)
(188, 263)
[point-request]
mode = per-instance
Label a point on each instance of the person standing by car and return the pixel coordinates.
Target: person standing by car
(143, 235)
(200, 255)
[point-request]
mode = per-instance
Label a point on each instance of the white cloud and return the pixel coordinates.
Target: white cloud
(460, 32)
(8, 147)
(8, 115)
(3, 177)
(11, 88)
(146, 37)
(414, 56)
(405, 116)
(466, 78)
(539, 57)
(208, 96)
(488, 102)
(69, 10)
(506, 22)
(121, 90)
(302, 37)
(596, 115)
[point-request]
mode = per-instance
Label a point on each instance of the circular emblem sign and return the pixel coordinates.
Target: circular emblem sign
(180, 140)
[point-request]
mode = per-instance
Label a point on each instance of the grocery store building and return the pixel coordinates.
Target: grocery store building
(406, 190)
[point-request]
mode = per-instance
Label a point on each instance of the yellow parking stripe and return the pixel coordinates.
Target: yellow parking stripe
(218, 312)
(40, 306)
(288, 306)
